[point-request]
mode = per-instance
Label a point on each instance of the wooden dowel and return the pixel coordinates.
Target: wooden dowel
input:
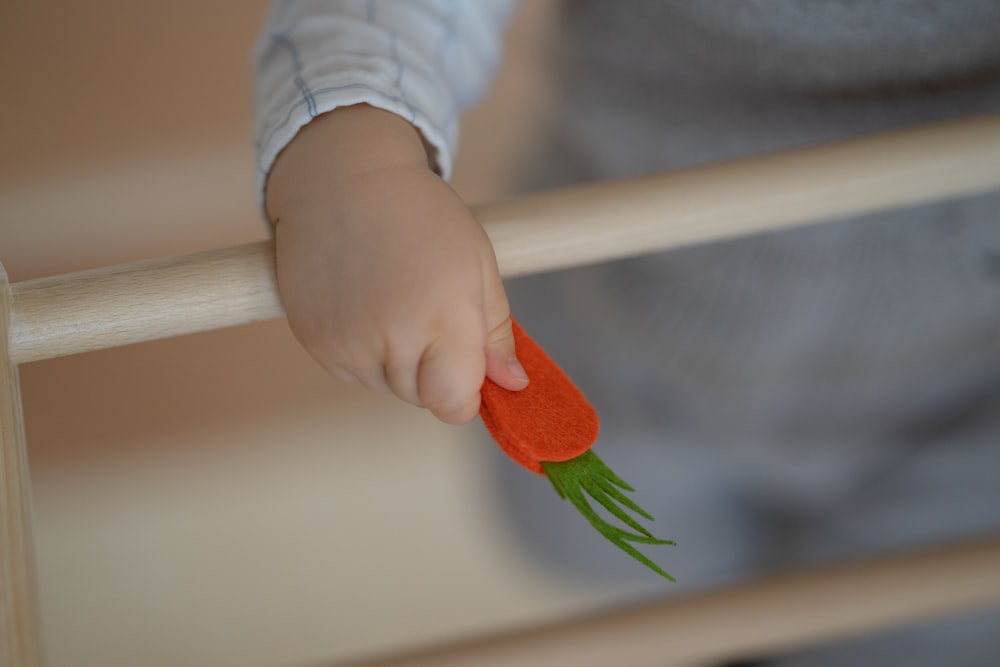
(611, 220)
(133, 303)
(760, 618)
(20, 638)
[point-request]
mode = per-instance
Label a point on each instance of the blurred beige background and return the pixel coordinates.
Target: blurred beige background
(216, 499)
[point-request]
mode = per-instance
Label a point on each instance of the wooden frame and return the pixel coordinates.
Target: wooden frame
(20, 643)
(119, 305)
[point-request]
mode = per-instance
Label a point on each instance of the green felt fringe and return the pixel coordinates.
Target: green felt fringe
(589, 473)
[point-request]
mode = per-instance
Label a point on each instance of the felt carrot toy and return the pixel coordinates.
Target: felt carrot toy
(549, 427)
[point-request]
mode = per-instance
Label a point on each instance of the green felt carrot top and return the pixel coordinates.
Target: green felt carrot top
(549, 427)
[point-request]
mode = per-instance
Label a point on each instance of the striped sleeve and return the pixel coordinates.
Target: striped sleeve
(425, 60)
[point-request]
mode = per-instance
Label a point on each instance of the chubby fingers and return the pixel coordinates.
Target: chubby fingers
(446, 378)
(450, 376)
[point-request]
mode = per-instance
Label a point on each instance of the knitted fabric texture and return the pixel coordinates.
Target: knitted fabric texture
(550, 420)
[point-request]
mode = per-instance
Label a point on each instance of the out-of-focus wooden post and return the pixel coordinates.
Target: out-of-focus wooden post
(20, 640)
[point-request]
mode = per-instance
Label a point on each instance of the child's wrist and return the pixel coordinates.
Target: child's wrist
(366, 137)
(341, 146)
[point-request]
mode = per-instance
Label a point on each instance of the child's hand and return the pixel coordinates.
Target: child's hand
(385, 275)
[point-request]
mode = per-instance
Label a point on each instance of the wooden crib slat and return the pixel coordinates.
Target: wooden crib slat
(133, 303)
(20, 641)
(754, 619)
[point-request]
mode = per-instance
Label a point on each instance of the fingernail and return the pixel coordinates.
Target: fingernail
(517, 370)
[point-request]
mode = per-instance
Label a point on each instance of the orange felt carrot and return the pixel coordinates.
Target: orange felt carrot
(549, 427)
(549, 420)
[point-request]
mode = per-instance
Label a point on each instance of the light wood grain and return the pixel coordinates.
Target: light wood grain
(755, 619)
(20, 644)
(606, 221)
(132, 303)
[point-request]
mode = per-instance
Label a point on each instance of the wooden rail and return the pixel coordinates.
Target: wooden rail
(168, 297)
(747, 620)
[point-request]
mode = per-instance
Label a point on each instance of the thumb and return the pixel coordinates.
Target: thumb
(502, 365)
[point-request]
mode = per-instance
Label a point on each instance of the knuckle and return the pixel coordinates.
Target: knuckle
(455, 406)
(343, 374)
(457, 412)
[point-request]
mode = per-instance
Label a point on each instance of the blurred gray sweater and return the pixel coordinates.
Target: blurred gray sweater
(790, 397)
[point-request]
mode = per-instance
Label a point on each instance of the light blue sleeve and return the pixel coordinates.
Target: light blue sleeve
(425, 60)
